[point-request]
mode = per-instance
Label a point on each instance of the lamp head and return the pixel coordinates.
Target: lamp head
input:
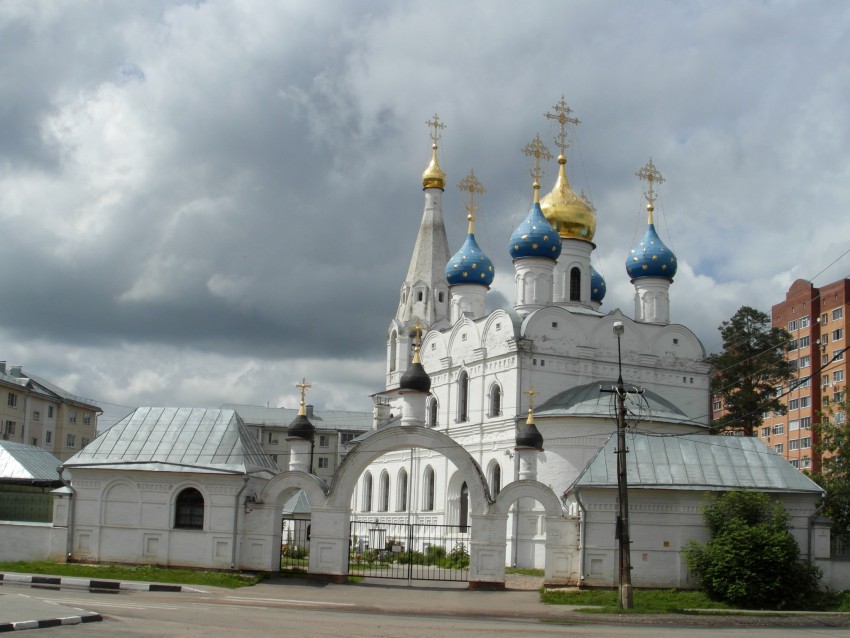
(619, 328)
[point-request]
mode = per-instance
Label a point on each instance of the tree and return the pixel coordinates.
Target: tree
(748, 372)
(751, 559)
(832, 436)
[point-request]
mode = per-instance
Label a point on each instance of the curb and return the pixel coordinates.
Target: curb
(49, 622)
(88, 583)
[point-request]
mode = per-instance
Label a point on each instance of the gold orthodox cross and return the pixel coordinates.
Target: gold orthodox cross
(471, 185)
(303, 387)
(531, 392)
(437, 125)
(650, 175)
(562, 116)
(537, 149)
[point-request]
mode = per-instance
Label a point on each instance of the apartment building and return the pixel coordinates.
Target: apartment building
(335, 430)
(817, 320)
(37, 412)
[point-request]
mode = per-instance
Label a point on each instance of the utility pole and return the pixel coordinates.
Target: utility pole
(624, 599)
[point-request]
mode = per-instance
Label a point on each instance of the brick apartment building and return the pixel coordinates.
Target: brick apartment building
(817, 320)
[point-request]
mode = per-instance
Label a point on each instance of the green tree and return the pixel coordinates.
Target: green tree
(832, 436)
(751, 559)
(747, 373)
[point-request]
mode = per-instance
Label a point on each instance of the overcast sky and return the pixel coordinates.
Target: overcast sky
(202, 202)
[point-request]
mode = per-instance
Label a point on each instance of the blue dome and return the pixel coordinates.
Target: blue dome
(535, 237)
(469, 265)
(597, 286)
(651, 258)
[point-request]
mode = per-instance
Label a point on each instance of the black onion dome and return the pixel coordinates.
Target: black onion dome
(415, 378)
(300, 428)
(528, 436)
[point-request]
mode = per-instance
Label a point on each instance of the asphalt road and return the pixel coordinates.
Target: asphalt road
(345, 611)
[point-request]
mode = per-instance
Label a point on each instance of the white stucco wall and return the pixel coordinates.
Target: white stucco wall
(31, 541)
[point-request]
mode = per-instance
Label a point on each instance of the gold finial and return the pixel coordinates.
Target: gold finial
(417, 342)
(562, 116)
(302, 411)
(531, 392)
(471, 185)
(651, 175)
(434, 177)
(537, 149)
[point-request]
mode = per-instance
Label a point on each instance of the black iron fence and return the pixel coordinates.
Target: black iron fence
(412, 551)
(295, 545)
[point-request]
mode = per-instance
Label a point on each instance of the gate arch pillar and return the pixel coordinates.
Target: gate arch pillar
(487, 541)
(561, 552)
(329, 543)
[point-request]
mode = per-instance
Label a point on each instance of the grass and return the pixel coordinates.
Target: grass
(646, 601)
(668, 601)
(145, 573)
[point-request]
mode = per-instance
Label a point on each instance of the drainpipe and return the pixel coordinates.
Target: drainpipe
(812, 523)
(582, 536)
(236, 506)
(72, 502)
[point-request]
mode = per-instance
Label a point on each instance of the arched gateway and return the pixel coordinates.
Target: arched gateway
(331, 507)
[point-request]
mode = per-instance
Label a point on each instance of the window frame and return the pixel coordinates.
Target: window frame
(189, 509)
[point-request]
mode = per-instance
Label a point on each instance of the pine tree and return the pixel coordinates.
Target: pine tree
(752, 366)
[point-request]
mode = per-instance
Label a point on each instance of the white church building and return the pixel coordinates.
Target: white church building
(555, 347)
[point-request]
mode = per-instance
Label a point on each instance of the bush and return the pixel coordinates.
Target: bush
(752, 559)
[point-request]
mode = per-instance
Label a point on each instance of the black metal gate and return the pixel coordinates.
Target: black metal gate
(411, 551)
(295, 545)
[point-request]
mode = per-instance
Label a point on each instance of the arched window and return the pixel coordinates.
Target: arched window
(367, 493)
(428, 490)
(401, 493)
(419, 296)
(463, 521)
(384, 492)
(432, 412)
(189, 509)
(495, 400)
(393, 340)
(463, 397)
(575, 284)
(495, 478)
(440, 297)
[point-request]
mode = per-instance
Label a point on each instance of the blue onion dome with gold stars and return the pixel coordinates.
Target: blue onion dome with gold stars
(651, 258)
(597, 286)
(470, 265)
(535, 237)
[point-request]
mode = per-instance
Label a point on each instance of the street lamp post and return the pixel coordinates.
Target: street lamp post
(625, 567)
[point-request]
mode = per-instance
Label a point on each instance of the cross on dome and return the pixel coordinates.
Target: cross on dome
(537, 149)
(562, 116)
(471, 185)
(435, 124)
(303, 387)
(652, 176)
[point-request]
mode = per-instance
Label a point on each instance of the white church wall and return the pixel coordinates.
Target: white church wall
(25, 541)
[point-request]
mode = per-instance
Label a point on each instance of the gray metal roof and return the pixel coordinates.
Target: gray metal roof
(177, 440)
(282, 417)
(22, 463)
(589, 400)
(696, 462)
(297, 504)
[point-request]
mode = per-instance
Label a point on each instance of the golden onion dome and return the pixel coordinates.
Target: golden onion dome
(434, 177)
(568, 212)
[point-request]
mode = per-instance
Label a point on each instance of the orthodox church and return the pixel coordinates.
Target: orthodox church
(529, 375)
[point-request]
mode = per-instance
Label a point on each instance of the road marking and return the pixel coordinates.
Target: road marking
(291, 602)
(99, 603)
